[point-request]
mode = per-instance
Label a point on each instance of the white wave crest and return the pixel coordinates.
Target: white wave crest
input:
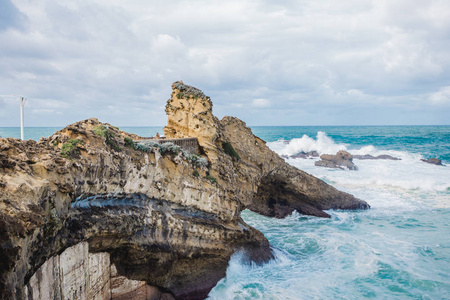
(323, 144)
(409, 174)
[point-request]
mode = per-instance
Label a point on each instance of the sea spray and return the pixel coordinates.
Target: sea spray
(322, 144)
(399, 249)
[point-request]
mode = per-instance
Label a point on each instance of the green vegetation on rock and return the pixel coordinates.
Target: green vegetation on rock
(170, 148)
(210, 178)
(129, 143)
(104, 131)
(228, 149)
(71, 149)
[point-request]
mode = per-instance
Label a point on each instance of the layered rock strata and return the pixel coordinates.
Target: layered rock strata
(161, 215)
(78, 274)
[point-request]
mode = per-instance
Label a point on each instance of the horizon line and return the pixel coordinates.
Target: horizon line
(365, 125)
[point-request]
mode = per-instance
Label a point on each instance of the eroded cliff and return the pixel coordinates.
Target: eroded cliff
(248, 171)
(159, 215)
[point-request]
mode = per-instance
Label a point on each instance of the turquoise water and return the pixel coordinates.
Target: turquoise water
(430, 141)
(35, 133)
(399, 249)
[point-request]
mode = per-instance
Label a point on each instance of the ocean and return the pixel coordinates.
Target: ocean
(398, 249)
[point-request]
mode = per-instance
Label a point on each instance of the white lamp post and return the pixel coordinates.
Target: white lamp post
(22, 103)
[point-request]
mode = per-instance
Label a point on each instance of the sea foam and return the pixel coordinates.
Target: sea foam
(322, 144)
(398, 249)
(406, 175)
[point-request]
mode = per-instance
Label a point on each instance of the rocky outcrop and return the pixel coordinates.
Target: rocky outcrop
(254, 176)
(433, 161)
(167, 220)
(341, 160)
(304, 155)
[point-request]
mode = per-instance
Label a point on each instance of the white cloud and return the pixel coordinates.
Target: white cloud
(441, 97)
(261, 103)
(89, 54)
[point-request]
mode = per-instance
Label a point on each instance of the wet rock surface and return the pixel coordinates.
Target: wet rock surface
(433, 161)
(305, 155)
(162, 219)
(341, 160)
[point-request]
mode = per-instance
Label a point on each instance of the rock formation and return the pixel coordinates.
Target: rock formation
(433, 161)
(157, 221)
(341, 160)
(304, 155)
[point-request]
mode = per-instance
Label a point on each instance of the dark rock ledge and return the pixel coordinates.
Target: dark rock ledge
(106, 218)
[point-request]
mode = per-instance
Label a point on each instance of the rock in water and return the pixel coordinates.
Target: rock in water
(156, 220)
(341, 160)
(434, 161)
(304, 155)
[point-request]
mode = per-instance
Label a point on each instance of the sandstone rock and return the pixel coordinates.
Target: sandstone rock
(434, 161)
(190, 115)
(161, 218)
(79, 274)
(341, 160)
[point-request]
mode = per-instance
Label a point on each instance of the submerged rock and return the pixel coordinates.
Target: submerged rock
(341, 160)
(166, 223)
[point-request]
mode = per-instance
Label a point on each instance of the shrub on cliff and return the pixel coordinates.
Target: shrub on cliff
(71, 149)
(165, 148)
(129, 143)
(104, 131)
(169, 148)
(213, 180)
(195, 160)
(228, 149)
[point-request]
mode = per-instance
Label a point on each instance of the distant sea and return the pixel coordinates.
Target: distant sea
(398, 249)
(35, 133)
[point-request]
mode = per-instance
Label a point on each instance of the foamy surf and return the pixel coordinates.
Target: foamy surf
(408, 173)
(398, 249)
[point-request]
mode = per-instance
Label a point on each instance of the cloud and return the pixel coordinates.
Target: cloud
(441, 97)
(305, 56)
(355, 92)
(261, 103)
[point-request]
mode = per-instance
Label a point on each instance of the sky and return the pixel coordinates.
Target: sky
(284, 62)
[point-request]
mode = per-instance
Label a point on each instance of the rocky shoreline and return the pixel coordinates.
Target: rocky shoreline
(344, 160)
(167, 220)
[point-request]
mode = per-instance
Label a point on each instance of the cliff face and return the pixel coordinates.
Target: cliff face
(155, 218)
(244, 166)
